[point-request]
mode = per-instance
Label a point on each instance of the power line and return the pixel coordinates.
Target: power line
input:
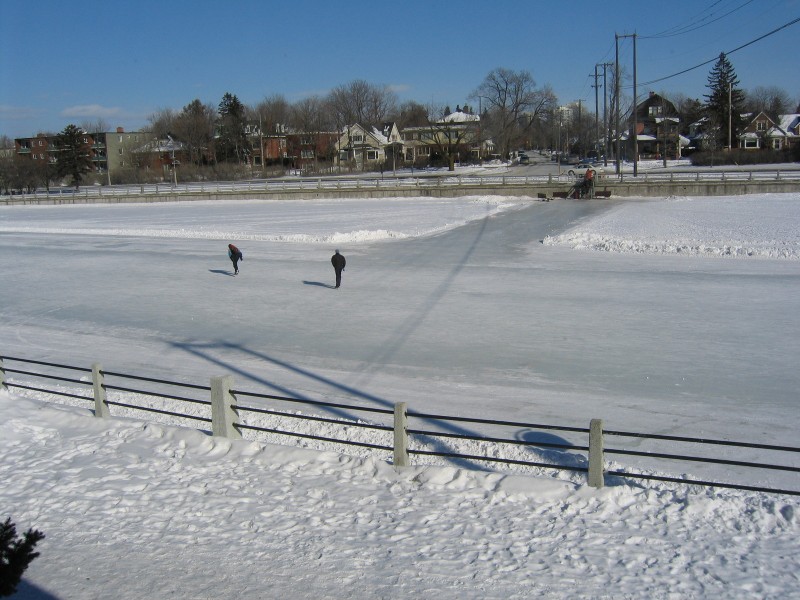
(750, 43)
(694, 27)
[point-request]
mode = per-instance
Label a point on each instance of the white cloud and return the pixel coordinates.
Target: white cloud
(92, 111)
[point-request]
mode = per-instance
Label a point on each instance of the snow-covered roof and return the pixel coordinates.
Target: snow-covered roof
(168, 145)
(790, 122)
(460, 117)
(382, 139)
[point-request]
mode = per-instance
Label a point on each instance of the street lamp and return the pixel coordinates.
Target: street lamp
(174, 162)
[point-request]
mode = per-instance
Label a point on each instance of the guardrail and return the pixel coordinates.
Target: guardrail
(229, 417)
(399, 184)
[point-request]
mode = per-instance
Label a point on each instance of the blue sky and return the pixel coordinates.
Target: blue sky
(79, 61)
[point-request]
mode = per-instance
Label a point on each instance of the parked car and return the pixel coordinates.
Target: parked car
(524, 160)
(579, 170)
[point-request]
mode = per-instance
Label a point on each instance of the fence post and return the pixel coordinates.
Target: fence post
(3, 384)
(596, 453)
(98, 383)
(224, 417)
(400, 435)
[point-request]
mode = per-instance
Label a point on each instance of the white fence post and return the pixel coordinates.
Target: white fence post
(3, 384)
(596, 453)
(98, 383)
(400, 435)
(224, 417)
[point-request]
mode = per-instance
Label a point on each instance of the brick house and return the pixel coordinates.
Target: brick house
(109, 151)
(762, 132)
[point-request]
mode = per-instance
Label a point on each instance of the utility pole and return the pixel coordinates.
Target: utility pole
(606, 134)
(616, 92)
(596, 113)
(635, 116)
(730, 116)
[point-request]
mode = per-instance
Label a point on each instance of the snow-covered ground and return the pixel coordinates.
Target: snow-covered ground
(673, 315)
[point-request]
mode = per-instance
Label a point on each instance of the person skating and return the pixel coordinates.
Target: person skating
(338, 261)
(235, 255)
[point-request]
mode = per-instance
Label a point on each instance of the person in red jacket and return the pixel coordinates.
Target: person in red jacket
(235, 255)
(588, 181)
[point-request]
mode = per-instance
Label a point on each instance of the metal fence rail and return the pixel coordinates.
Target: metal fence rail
(390, 183)
(413, 441)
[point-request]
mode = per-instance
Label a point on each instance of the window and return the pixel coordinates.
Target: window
(372, 155)
(761, 126)
(750, 143)
(306, 154)
(120, 150)
(358, 138)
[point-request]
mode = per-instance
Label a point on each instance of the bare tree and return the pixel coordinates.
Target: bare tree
(194, 127)
(411, 114)
(311, 116)
(96, 126)
(510, 95)
(361, 102)
(771, 100)
(452, 135)
(272, 113)
(162, 122)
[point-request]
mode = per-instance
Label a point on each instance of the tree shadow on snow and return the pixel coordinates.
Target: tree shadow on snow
(217, 353)
(221, 272)
(554, 448)
(29, 591)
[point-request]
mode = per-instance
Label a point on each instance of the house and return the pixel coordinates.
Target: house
(161, 156)
(361, 148)
(762, 132)
(791, 125)
(456, 135)
(308, 150)
(657, 129)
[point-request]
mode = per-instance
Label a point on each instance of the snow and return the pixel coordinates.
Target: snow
(735, 226)
(671, 315)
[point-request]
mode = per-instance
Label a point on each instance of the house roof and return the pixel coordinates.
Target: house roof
(790, 123)
(461, 117)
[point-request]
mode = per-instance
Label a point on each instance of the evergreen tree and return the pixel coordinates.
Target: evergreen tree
(15, 555)
(232, 140)
(74, 157)
(724, 105)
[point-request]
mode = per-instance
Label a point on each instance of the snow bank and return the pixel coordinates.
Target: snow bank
(141, 510)
(757, 226)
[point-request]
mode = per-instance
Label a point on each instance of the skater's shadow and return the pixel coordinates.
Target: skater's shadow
(319, 284)
(221, 272)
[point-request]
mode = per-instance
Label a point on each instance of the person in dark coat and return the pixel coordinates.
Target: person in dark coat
(338, 261)
(235, 255)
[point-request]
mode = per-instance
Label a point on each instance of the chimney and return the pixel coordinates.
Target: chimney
(120, 130)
